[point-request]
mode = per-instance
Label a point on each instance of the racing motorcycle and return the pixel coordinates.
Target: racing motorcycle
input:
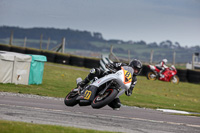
(169, 74)
(101, 91)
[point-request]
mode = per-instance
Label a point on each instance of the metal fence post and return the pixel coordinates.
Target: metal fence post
(174, 57)
(41, 36)
(193, 56)
(151, 57)
(48, 43)
(25, 42)
(11, 38)
(63, 45)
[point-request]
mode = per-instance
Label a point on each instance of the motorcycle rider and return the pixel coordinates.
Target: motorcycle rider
(162, 66)
(97, 72)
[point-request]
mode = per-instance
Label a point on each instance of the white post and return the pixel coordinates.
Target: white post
(151, 57)
(11, 38)
(25, 42)
(111, 53)
(41, 41)
(111, 49)
(48, 43)
(63, 45)
(174, 57)
(129, 55)
(193, 56)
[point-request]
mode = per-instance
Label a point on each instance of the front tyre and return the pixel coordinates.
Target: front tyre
(174, 79)
(106, 98)
(151, 76)
(70, 99)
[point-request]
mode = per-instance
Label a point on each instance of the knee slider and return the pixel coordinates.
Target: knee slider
(93, 71)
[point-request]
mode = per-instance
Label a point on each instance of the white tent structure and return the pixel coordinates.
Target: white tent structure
(21, 69)
(14, 67)
(6, 67)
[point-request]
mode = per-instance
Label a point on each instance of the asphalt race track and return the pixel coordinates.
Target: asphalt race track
(48, 110)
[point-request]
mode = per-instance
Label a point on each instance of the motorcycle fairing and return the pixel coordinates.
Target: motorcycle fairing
(127, 74)
(87, 96)
(120, 77)
(168, 74)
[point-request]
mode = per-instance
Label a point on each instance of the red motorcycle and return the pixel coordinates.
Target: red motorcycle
(169, 74)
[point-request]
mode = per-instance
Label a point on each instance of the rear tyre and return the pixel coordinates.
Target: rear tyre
(174, 79)
(151, 76)
(101, 101)
(70, 99)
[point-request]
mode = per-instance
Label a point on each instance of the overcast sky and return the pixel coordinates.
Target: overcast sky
(148, 20)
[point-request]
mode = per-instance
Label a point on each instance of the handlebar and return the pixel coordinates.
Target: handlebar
(110, 69)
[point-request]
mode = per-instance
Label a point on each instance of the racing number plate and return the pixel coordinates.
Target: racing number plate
(87, 94)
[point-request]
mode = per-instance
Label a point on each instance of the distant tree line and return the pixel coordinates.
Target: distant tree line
(77, 39)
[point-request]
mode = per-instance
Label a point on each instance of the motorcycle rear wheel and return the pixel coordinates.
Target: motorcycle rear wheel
(151, 76)
(174, 79)
(101, 101)
(70, 99)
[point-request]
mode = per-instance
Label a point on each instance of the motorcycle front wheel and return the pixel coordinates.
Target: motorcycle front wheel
(151, 76)
(106, 98)
(174, 79)
(70, 99)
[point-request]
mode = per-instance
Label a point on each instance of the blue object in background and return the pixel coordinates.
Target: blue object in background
(37, 69)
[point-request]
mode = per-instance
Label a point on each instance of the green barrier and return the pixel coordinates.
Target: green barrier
(37, 69)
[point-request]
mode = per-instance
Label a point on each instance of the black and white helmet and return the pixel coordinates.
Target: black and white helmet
(136, 64)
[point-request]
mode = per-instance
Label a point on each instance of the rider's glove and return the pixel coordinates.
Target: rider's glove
(128, 92)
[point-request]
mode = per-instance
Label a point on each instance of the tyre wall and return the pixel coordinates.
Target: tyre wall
(145, 70)
(91, 63)
(76, 61)
(18, 49)
(4, 47)
(182, 74)
(62, 58)
(50, 55)
(193, 76)
(33, 51)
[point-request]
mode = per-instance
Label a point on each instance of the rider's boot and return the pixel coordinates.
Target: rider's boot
(81, 85)
(90, 76)
(84, 82)
(161, 75)
(115, 104)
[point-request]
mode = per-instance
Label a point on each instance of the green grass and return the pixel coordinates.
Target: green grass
(158, 94)
(58, 80)
(21, 127)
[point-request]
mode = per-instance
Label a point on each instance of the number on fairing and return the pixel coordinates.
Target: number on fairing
(128, 75)
(87, 94)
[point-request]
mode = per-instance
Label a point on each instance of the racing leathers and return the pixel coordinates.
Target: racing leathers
(161, 66)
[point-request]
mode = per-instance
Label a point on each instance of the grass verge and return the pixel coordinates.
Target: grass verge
(22, 127)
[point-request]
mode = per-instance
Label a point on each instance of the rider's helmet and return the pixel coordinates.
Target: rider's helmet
(136, 65)
(164, 61)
